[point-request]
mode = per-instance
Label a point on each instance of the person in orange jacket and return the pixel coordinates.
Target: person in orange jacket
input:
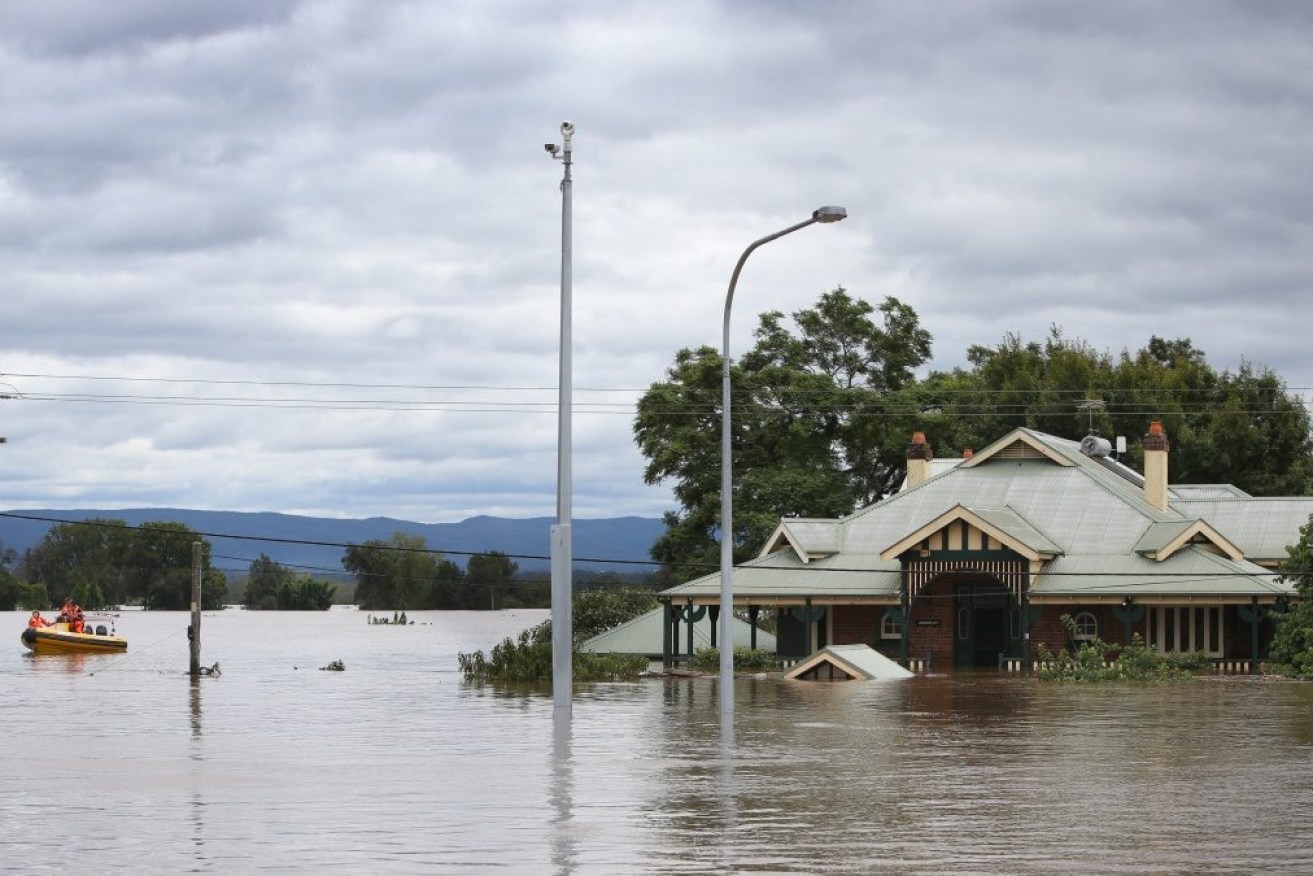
(36, 621)
(71, 614)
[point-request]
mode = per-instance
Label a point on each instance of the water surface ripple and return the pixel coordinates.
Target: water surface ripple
(121, 763)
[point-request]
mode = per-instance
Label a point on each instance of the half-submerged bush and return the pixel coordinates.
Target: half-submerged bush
(1097, 660)
(745, 660)
(528, 658)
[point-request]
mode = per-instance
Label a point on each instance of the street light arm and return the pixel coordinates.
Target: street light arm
(738, 269)
(824, 215)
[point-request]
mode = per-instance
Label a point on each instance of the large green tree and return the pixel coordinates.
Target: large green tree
(1240, 427)
(263, 580)
(816, 428)
(159, 558)
(491, 574)
(87, 560)
(1292, 645)
(400, 573)
(102, 562)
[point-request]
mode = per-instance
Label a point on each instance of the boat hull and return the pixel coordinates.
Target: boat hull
(58, 639)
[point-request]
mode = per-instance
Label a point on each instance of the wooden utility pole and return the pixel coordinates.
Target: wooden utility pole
(194, 631)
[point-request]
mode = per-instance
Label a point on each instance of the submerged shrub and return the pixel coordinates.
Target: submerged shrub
(1097, 660)
(528, 658)
(745, 659)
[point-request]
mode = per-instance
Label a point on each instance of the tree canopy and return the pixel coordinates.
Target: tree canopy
(1242, 427)
(1292, 645)
(104, 562)
(824, 408)
(814, 431)
(270, 585)
(403, 573)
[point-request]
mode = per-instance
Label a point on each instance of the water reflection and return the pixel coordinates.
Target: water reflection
(395, 765)
(563, 836)
(197, 804)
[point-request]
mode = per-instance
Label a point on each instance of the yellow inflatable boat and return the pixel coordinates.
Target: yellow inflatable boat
(59, 639)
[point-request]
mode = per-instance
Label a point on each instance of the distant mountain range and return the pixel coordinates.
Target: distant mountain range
(315, 544)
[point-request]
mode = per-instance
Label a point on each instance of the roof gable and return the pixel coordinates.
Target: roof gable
(848, 663)
(1163, 538)
(1018, 444)
(982, 527)
(809, 538)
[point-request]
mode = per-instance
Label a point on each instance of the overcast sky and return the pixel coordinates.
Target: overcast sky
(305, 256)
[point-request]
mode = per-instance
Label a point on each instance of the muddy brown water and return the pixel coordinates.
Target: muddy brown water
(120, 763)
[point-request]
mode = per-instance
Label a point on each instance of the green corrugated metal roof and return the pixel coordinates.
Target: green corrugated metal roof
(644, 635)
(1018, 527)
(1091, 512)
(1191, 571)
(1261, 527)
(1160, 533)
(860, 661)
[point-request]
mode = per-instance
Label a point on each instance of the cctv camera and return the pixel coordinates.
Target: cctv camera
(567, 128)
(551, 148)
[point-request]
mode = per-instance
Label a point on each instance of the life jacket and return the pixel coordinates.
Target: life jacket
(37, 622)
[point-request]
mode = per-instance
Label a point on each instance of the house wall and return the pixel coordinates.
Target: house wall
(931, 624)
(857, 624)
(860, 624)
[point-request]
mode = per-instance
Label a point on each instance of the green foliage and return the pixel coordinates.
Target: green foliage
(263, 579)
(528, 657)
(1292, 644)
(103, 562)
(303, 593)
(492, 573)
(397, 573)
(811, 431)
(1096, 660)
(745, 660)
(597, 611)
(1242, 428)
(11, 587)
(398, 620)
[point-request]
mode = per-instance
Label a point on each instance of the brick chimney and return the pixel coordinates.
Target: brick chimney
(1155, 466)
(918, 460)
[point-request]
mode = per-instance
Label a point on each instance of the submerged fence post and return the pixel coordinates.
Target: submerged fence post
(194, 631)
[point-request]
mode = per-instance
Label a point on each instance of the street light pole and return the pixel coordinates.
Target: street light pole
(562, 549)
(823, 215)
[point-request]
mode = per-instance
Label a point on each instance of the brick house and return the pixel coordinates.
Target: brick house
(974, 561)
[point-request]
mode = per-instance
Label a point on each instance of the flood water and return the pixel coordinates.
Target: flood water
(122, 763)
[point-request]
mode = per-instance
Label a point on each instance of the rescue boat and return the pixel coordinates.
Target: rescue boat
(59, 639)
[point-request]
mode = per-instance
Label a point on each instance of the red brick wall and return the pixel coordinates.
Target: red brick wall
(857, 624)
(933, 603)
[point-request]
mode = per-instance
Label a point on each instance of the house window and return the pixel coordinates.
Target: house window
(1086, 627)
(1185, 628)
(890, 628)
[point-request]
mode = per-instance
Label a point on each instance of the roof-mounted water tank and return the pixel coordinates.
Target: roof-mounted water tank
(1093, 445)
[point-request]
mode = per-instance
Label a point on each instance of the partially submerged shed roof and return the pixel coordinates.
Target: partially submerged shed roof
(644, 636)
(847, 663)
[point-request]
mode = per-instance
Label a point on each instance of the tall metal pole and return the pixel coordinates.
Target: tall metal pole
(562, 541)
(194, 631)
(822, 214)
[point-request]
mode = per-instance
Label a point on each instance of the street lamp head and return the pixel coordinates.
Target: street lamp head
(829, 214)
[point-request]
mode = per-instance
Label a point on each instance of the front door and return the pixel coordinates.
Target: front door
(983, 610)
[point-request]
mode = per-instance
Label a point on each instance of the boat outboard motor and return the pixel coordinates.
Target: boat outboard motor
(101, 631)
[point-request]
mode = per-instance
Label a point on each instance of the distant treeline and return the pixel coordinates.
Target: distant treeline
(105, 562)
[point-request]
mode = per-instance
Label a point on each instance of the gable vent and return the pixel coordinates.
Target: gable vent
(1019, 450)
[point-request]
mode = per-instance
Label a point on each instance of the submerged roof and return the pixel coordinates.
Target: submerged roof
(853, 662)
(1084, 519)
(644, 635)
